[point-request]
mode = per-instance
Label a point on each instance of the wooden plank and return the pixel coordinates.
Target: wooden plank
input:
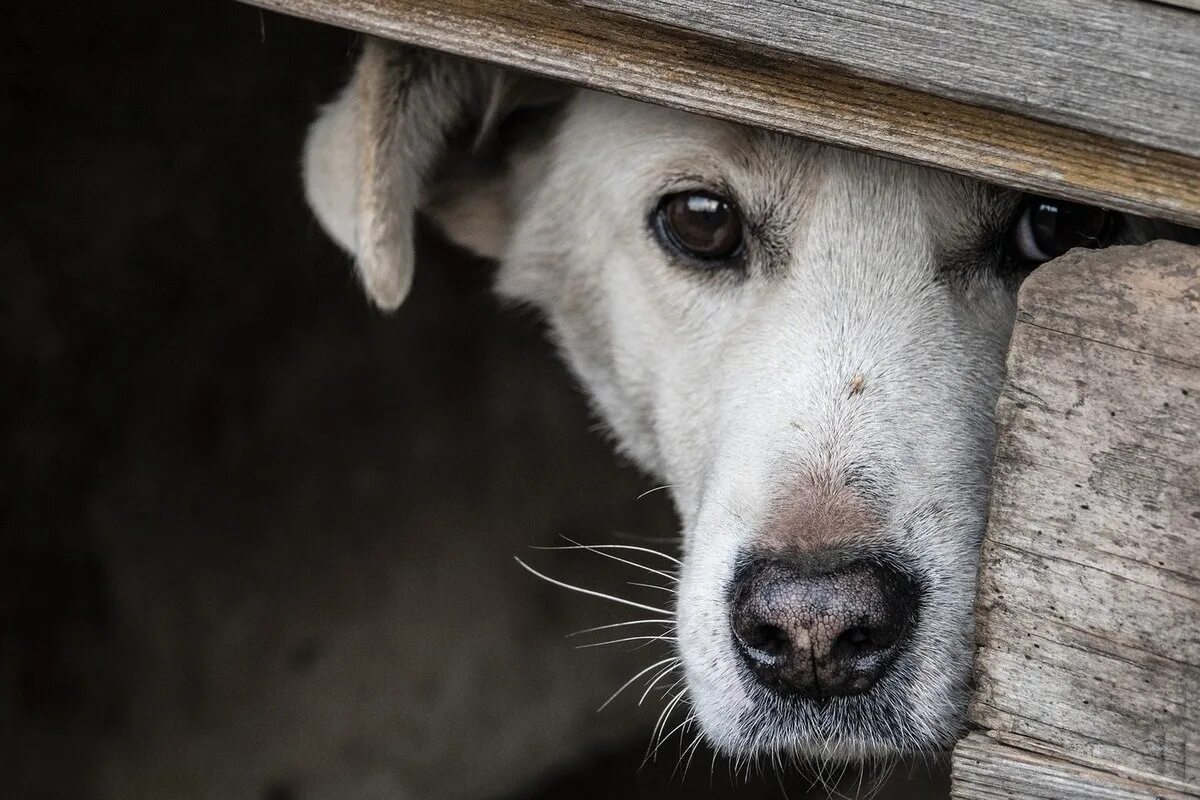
(617, 53)
(985, 769)
(1089, 596)
(1126, 69)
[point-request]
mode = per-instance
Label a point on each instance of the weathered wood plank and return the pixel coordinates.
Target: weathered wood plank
(752, 84)
(1127, 69)
(1089, 597)
(985, 769)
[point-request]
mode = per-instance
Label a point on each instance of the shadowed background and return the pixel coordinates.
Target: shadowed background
(257, 538)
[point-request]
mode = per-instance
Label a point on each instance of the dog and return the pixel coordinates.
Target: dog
(804, 344)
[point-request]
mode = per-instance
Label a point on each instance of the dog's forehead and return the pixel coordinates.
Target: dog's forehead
(649, 145)
(657, 144)
(613, 123)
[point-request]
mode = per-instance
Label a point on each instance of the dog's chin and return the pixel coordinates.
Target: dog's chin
(747, 721)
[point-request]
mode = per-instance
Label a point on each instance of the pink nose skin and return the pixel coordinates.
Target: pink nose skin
(818, 514)
(824, 634)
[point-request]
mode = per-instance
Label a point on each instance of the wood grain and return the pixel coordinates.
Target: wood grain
(986, 769)
(1089, 596)
(783, 92)
(1123, 68)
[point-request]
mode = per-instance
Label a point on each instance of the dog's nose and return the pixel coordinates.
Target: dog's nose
(821, 634)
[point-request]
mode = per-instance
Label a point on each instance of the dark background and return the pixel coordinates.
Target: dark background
(255, 537)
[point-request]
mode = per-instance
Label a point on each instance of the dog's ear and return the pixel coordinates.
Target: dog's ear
(373, 156)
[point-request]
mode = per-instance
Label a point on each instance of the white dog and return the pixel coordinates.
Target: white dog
(805, 344)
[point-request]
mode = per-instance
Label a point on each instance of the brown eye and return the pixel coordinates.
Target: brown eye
(701, 226)
(1047, 228)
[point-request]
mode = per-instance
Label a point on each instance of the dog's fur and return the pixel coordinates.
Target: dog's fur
(836, 393)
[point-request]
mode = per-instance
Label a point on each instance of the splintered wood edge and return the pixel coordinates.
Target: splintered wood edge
(616, 53)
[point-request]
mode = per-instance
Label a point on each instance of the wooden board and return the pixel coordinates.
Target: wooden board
(986, 768)
(751, 83)
(1124, 68)
(1089, 596)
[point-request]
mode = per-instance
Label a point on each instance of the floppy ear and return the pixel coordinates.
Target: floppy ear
(371, 155)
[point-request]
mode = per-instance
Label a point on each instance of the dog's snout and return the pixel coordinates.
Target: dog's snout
(823, 633)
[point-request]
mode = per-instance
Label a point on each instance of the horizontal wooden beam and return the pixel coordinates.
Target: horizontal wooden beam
(1123, 68)
(761, 87)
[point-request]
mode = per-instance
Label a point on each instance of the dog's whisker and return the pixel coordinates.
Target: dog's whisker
(657, 678)
(882, 773)
(822, 777)
(653, 586)
(672, 540)
(691, 751)
(647, 639)
(661, 573)
(682, 729)
(627, 683)
(658, 724)
(686, 754)
(630, 547)
(841, 778)
(656, 489)
(777, 766)
(663, 719)
(591, 592)
(668, 622)
(666, 692)
(599, 549)
(664, 739)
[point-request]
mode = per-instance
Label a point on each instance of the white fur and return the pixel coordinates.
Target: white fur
(729, 393)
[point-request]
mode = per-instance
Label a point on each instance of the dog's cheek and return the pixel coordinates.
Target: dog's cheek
(532, 271)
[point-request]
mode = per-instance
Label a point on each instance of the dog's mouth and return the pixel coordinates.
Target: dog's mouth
(883, 723)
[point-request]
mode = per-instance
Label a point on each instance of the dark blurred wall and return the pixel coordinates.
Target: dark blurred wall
(255, 537)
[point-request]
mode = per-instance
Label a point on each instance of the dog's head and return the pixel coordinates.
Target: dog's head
(804, 343)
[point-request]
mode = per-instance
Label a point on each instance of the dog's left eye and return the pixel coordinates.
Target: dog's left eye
(1047, 228)
(705, 227)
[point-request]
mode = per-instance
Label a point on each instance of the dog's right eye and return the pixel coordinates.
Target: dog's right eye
(703, 227)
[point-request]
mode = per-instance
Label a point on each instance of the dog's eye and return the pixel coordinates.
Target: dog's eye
(1048, 228)
(702, 226)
